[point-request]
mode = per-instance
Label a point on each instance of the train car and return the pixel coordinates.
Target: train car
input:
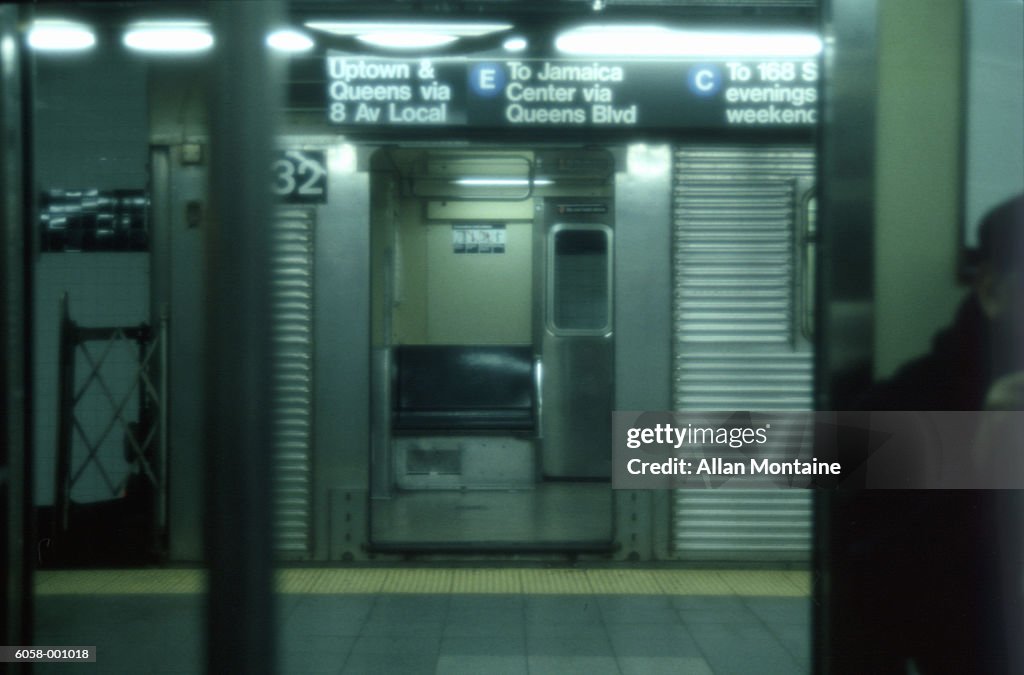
(457, 319)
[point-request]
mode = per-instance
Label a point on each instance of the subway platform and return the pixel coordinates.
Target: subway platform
(457, 621)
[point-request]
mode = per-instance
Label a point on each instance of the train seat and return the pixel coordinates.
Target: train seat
(463, 388)
(463, 416)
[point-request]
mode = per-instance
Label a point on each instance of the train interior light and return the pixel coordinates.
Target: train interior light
(60, 36)
(501, 182)
(177, 37)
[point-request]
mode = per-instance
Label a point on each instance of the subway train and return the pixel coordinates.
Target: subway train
(473, 309)
(485, 238)
(457, 325)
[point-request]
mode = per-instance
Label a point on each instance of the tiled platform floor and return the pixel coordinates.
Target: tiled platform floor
(450, 632)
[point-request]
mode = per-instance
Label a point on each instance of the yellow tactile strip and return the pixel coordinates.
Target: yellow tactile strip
(119, 581)
(328, 581)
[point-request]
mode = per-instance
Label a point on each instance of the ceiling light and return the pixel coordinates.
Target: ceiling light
(363, 28)
(516, 44)
(647, 161)
(660, 41)
(60, 36)
(397, 39)
(169, 36)
(288, 40)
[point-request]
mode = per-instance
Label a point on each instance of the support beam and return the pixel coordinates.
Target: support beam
(239, 536)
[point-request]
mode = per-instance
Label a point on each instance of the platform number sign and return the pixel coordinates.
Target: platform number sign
(300, 176)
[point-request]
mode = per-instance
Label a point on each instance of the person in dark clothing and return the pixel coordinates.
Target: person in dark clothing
(984, 341)
(925, 572)
(952, 376)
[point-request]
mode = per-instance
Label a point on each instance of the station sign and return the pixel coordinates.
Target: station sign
(571, 93)
(299, 176)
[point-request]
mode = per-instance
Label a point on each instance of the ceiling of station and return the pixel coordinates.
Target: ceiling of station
(412, 9)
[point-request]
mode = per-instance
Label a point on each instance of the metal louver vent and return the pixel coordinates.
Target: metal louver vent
(292, 336)
(737, 344)
(774, 4)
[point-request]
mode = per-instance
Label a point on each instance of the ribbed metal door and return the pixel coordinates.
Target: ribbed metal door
(738, 340)
(292, 314)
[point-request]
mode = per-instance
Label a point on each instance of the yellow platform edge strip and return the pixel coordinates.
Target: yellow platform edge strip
(335, 581)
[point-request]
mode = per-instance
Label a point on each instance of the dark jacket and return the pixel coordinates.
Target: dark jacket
(954, 375)
(918, 564)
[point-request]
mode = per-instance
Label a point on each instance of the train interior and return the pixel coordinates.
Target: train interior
(369, 420)
(492, 299)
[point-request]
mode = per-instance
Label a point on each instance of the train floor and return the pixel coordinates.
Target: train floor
(416, 620)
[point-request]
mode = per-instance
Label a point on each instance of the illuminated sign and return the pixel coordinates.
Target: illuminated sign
(563, 93)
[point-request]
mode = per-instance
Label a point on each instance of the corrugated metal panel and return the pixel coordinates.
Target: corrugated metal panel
(292, 335)
(722, 3)
(670, 4)
(737, 345)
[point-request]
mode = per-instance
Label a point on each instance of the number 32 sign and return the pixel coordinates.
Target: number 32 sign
(300, 176)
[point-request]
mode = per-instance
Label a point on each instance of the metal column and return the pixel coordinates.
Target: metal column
(15, 332)
(643, 321)
(239, 537)
(844, 320)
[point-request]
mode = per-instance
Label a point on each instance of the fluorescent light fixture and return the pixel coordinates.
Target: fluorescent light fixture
(398, 39)
(172, 37)
(60, 36)
(608, 40)
(516, 44)
(342, 158)
(648, 160)
(501, 182)
(354, 28)
(406, 35)
(289, 40)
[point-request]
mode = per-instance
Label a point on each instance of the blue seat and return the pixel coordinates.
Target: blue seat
(460, 388)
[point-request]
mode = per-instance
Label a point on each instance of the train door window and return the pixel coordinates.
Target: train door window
(579, 268)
